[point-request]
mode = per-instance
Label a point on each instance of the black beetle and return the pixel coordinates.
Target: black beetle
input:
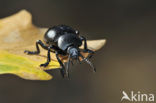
(63, 40)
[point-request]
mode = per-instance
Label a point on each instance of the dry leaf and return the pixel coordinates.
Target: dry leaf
(21, 66)
(17, 33)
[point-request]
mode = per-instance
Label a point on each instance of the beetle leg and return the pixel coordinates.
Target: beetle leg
(48, 59)
(85, 45)
(62, 70)
(87, 61)
(38, 42)
(48, 56)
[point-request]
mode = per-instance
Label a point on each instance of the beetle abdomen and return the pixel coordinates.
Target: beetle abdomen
(67, 40)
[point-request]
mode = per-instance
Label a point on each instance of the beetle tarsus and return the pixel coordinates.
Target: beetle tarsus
(44, 65)
(88, 51)
(38, 42)
(31, 52)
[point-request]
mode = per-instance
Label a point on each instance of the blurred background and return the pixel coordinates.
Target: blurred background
(127, 62)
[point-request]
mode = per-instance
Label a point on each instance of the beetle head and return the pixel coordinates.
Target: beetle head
(73, 52)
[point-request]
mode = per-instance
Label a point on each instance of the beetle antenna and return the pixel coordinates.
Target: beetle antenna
(91, 64)
(68, 65)
(88, 62)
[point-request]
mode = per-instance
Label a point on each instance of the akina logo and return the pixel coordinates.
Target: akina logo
(137, 97)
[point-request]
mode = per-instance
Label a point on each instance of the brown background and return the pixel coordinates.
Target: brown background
(127, 62)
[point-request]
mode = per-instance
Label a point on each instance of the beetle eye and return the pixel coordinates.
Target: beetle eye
(76, 31)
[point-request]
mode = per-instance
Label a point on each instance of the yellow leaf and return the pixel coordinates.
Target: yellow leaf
(21, 66)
